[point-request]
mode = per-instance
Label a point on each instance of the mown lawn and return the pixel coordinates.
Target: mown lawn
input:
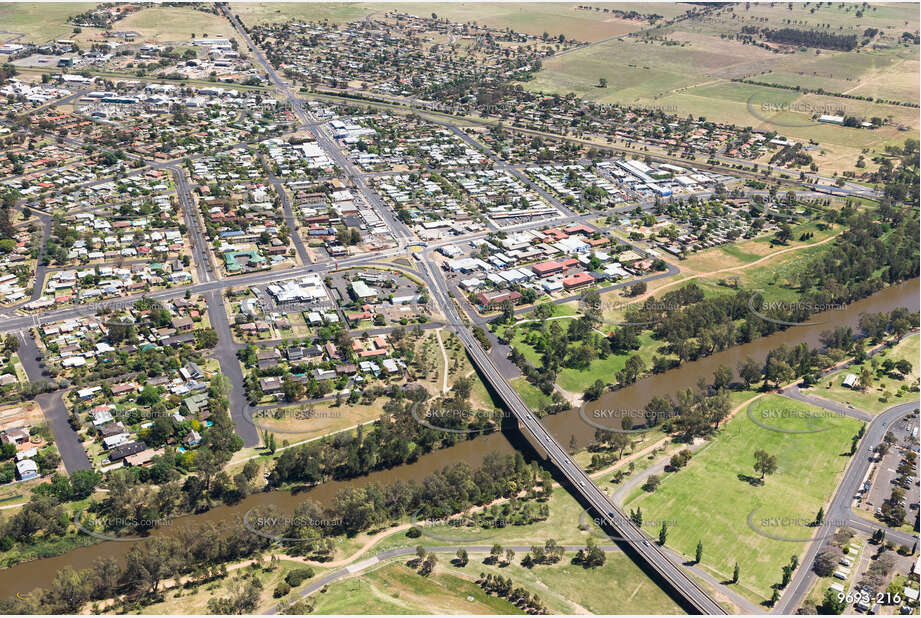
(711, 500)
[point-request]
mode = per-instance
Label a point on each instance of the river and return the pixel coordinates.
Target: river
(24, 577)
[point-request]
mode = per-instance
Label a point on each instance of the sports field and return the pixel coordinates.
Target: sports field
(712, 499)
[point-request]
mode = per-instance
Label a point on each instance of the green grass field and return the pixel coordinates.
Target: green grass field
(711, 499)
(397, 589)
(885, 391)
(39, 21)
(618, 587)
(530, 394)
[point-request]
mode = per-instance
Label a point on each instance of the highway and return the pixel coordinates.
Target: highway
(647, 549)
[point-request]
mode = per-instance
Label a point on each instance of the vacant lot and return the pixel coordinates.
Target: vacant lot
(711, 500)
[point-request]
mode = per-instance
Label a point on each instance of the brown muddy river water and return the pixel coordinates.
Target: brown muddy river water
(25, 577)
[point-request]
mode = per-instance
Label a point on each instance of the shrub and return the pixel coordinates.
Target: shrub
(297, 576)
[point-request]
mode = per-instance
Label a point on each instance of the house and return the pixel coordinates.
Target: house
(131, 448)
(270, 385)
(139, 459)
(87, 393)
(101, 417)
(112, 429)
(850, 380)
(193, 438)
(116, 440)
(346, 369)
(121, 389)
(26, 469)
(324, 374)
(267, 358)
(29, 453)
(19, 435)
(183, 324)
(196, 403)
(192, 372)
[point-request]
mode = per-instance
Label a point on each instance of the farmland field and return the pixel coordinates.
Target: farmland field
(553, 18)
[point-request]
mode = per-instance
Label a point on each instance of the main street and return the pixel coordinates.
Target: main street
(685, 587)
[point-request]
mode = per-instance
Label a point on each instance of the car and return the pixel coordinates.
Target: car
(582, 483)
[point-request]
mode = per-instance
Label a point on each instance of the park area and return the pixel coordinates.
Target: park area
(720, 501)
(889, 388)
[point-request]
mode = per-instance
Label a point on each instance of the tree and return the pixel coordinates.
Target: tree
(663, 533)
(749, 371)
(462, 558)
(637, 516)
(722, 377)
(735, 574)
(699, 553)
(866, 379)
(494, 553)
(831, 605)
(637, 288)
(775, 596)
(820, 516)
(603, 82)
(243, 598)
(826, 563)
(69, 591)
(765, 463)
